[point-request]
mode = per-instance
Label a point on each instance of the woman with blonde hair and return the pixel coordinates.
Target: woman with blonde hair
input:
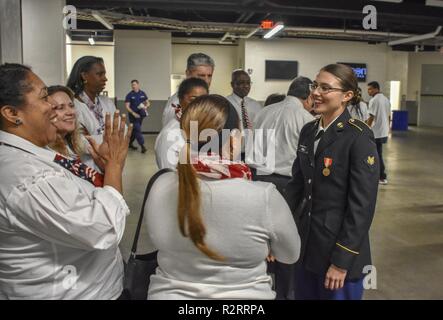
(69, 144)
(68, 141)
(212, 226)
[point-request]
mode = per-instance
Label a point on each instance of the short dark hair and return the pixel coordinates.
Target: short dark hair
(374, 84)
(13, 85)
(188, 84)
(84, 64)
(57, 88)
(237, 73)
(135, 80)
(274, 98)
(299, 88)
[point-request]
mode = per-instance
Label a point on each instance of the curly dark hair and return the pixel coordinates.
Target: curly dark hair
(13, 85)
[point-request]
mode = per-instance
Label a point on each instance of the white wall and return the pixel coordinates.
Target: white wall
(397, 69)
(10, 32)
(44, 39)
(76, 50)
(416, 60)
(226, 59)
(146, 56)
(312, 55)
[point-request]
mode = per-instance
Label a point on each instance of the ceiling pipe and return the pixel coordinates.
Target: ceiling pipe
(419, 38)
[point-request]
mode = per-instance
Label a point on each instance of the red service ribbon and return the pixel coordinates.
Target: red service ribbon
(328, 162)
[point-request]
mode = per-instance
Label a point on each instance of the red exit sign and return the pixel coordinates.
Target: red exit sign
(267, 24)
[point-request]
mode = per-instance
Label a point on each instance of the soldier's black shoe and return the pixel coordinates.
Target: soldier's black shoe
(144, 149)
(131, 146)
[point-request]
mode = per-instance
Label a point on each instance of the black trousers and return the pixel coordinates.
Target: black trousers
(283, 273)
(379, 142)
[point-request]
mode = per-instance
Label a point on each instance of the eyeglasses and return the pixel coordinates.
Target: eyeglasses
(323, 88)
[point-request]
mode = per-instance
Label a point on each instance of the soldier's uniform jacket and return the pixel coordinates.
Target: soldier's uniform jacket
(333, 193)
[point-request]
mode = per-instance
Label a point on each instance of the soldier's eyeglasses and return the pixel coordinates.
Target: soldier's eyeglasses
(323, 88)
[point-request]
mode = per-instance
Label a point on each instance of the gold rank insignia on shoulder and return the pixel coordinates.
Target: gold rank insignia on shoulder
(371, 160)
(352, 122)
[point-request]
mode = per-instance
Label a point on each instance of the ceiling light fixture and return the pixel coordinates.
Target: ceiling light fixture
(276, 29)
(434, 3)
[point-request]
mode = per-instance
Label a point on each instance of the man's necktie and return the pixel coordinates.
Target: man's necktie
(245, 117)
(319, 135)
(80, 170)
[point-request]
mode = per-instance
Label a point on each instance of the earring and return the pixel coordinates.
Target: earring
(18, 122)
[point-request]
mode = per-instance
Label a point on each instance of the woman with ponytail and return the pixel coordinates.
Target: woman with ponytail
(358, 108)
(212, 225)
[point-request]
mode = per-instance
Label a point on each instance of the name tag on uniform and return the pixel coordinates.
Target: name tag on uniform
(303, 149)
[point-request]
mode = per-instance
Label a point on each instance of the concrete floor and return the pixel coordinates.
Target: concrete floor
(407, 232)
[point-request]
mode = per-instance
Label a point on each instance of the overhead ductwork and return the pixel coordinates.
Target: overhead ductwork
(229, 32)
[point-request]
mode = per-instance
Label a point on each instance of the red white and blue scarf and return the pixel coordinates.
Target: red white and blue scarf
(216, 167)
(81, 170)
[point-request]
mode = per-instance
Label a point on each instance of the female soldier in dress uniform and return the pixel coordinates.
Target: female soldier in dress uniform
(333, 192)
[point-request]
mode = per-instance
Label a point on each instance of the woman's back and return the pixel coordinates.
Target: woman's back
(243, 220)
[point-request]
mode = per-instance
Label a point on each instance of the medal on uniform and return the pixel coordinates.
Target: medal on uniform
(328, 162)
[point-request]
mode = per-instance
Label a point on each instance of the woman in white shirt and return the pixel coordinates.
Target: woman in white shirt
(212, 225)
(59, 233)
(170, 141)
(87, 80)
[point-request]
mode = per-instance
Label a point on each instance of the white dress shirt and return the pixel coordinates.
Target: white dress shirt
(59, 234)
(322, 128)
(169, 111)
(87, 120)
(286, 118)
(380, 108)
(252, 107)
(168, 145)
(244, 220)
